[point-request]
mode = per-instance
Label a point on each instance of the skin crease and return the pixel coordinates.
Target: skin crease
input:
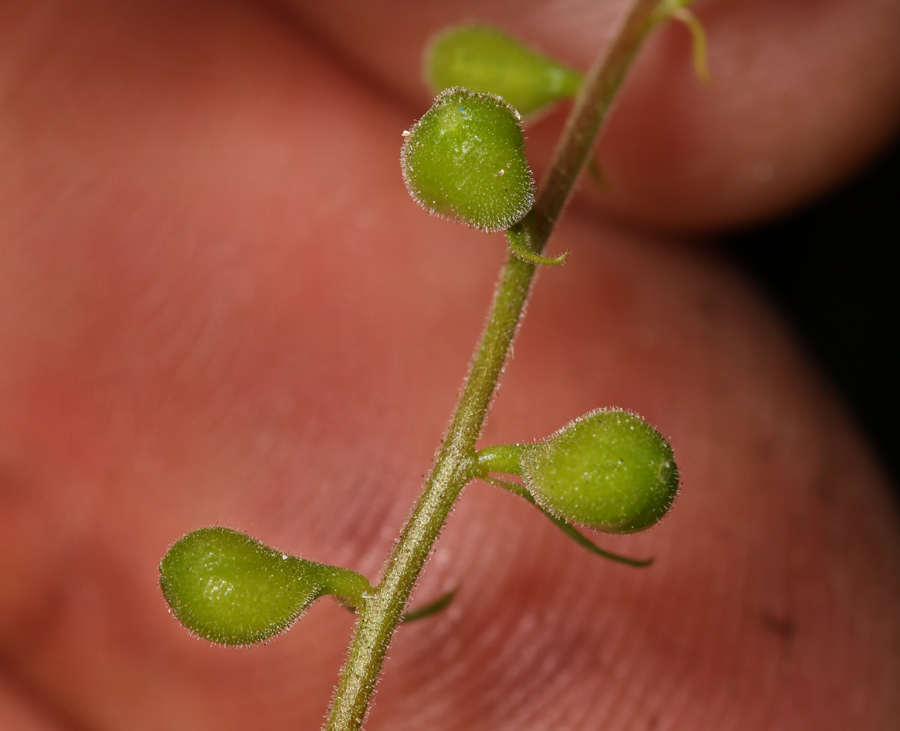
(219, 306)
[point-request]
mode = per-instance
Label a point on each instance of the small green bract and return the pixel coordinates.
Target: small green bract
(609, 470)
(231, 589)
(465, 159)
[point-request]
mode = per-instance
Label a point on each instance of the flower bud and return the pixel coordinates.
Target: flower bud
(609, 470)
(231, 589)
(486, 59)
(465, 159)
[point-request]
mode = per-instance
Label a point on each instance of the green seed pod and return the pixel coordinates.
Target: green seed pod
(485, 59)
(231, 589)
(465, 159)
(609, 470)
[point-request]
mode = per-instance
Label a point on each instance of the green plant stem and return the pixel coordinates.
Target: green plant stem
(455, 464)
(453, 469)
(591, 108)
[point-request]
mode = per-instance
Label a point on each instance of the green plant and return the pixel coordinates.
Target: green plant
(608, 470)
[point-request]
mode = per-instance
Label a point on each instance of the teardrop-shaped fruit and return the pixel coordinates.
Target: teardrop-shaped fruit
(488, 60)
(609, 470)
(232, 589)
(465, 159)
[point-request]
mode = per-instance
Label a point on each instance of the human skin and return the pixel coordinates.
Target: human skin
(219, 306)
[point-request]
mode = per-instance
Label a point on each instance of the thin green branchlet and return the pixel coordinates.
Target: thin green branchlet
(608, 470)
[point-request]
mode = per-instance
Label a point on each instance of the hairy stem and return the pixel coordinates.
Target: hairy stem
(590, 110)
(455, 465)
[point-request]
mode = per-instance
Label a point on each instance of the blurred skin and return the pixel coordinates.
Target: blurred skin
(219, 306)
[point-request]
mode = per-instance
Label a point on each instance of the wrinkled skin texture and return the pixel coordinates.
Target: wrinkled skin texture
(219, 306)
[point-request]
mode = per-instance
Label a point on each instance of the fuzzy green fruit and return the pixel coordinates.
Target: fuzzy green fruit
(465, 159)
(486, 59)
(609, 470)
(231, 589)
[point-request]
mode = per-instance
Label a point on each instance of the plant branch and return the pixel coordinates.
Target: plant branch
(455, 464)
(591, 108)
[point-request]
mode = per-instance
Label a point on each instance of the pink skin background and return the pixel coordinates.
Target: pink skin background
(219, 306)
